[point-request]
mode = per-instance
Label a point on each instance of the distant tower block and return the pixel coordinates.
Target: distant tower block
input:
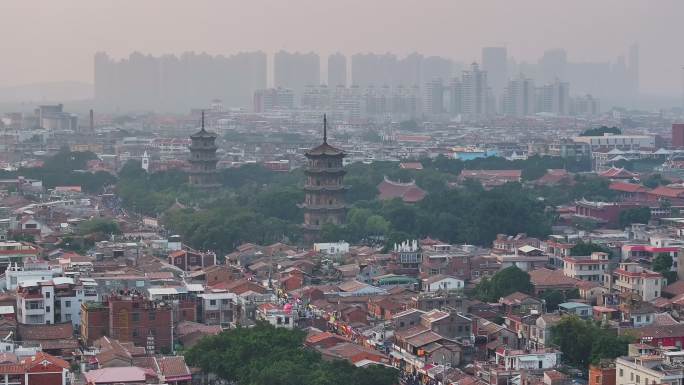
(203, 159)
(324, 199)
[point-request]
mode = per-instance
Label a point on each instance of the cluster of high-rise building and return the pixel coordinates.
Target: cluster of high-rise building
(499, 84)
(616, 82)
(177, 83)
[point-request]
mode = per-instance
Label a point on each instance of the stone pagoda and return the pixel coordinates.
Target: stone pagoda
(324, 187)
(203, 159)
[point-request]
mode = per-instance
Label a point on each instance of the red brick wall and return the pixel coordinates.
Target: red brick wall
(125, 327)
(678, 135)
(95, 323)
(45, 379)
(601, 376)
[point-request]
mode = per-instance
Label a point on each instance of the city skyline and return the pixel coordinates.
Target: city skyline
(456, 30)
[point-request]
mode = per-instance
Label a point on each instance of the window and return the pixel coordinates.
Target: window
(622, 372)
(135, 317)
(212, 302)
(67, 303)
(47, 309)
(47, 294)
(135, 333)
(151, 316)
(401, 324)
(638, 379)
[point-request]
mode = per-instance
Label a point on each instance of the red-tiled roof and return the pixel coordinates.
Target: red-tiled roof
(547, 277)
(62, 331)
(408, 192)
(174, 368)
(627, 187)
(411, 165)
(668, 192)
(618, 173)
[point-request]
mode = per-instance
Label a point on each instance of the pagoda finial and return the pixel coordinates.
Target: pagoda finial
(325, 129)
(202, 120)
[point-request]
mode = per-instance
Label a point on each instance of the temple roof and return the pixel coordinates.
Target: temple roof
(325, 149)
(202, 133)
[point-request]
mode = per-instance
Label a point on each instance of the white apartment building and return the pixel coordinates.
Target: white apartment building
(630, 277)
(56, 300)
(665, 369)
(35, 302)
(623, 142)
(527, 359)
(218, 308)
(591, 268)
(33, 270)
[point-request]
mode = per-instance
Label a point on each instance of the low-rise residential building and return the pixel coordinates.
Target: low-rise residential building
(39, 369)
(665, 368)
(631, 277)
(576, 308)
(514, 359)
(508, 244)
(278, 316)
(54, 301)
(442, 282)
(217, 308)
(591, 268)
(128, 317)
(32, 270)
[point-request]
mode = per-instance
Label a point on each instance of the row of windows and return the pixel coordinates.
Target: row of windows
(150, 316)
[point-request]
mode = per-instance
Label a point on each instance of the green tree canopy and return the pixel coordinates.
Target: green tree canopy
(599, 131)
(582, 248)
(635, 215)
(503, 283)
(583, 342)
(265, 355)
(655, 180)
(662, 263)
(99, 226)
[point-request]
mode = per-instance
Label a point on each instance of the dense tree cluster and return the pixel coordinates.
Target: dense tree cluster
(505, 282)
(553, 298)
(101, 226)
(635, 215)
(258, 205)
(655, 180)
(584, 342)
(468, 214)
(600, 131)
(662, 264)
(265, 355)
(582, 248)
(66, 168)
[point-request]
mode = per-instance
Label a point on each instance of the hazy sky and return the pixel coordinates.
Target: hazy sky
(49, 40)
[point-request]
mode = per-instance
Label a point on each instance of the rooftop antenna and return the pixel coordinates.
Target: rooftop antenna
(325, 129)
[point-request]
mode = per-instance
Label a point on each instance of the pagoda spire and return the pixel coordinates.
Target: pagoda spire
(202, 121)
(325, 129)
